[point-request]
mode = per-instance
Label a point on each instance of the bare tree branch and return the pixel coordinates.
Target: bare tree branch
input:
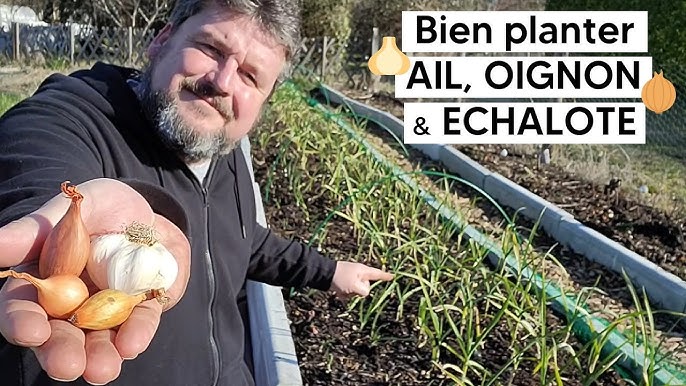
(103, 6)
(156, 11)
(130, 13)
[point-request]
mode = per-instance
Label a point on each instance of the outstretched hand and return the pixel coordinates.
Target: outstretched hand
(352, 279)
(64, 351)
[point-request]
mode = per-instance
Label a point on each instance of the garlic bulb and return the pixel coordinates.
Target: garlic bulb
(131, 263)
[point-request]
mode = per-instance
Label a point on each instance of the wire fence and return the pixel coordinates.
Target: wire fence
(666, 132)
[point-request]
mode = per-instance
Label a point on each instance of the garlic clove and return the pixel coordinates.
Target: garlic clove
(120, 266)
(168, 268)
(101, 248)
(132, 269)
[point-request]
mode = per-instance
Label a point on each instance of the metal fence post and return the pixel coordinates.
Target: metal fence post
(16, 53)
(324, 48)
(129, 59)
(72, 43)
(375, 47)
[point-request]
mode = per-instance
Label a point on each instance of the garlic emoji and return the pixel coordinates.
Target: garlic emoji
(132, 261)
(389, 60)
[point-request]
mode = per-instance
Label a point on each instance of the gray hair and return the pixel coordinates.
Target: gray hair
(279, 18)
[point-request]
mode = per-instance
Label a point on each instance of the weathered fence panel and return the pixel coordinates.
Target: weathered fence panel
(330, 60)
(336, 62)
(74, 43)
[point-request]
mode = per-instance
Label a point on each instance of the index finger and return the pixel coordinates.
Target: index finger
(22, 239)
(377, 274)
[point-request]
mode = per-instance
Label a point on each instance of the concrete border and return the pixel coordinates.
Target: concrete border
(663, 288)
(274, 356)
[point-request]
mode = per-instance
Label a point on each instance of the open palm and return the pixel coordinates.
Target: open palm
(64, 351)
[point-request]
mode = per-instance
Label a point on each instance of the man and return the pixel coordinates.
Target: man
(157, 147)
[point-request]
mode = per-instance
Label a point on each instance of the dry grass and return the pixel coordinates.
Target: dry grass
(664, 176)
(24, 81)
(18, 82)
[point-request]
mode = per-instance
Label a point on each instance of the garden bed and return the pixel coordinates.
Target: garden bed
(622, 215)
(448, 314)
(609, 295)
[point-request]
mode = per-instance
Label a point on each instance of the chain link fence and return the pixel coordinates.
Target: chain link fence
(666, 132)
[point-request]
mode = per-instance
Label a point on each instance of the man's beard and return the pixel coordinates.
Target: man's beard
(161, 107)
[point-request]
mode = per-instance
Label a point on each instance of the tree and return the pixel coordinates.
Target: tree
(142, 14)
(666, 31)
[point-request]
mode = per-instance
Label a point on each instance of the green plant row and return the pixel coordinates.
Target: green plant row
(634, 355)
(459, 301)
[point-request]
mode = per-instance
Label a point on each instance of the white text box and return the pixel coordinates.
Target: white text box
(524, 123)
(524, 77)
(524, 31)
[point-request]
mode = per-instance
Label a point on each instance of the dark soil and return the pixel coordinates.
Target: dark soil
(638, 227)
(332, 349)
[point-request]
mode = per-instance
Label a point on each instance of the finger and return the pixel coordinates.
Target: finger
(136, 333)
(22, 240)
(103, 363)
(63, 355)
(377, 274)
(177, 244)
(23, 321)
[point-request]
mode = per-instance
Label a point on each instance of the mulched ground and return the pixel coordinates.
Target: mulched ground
(331, 348)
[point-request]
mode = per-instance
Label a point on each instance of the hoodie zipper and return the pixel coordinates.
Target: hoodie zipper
(210, 274)
(237, 193)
